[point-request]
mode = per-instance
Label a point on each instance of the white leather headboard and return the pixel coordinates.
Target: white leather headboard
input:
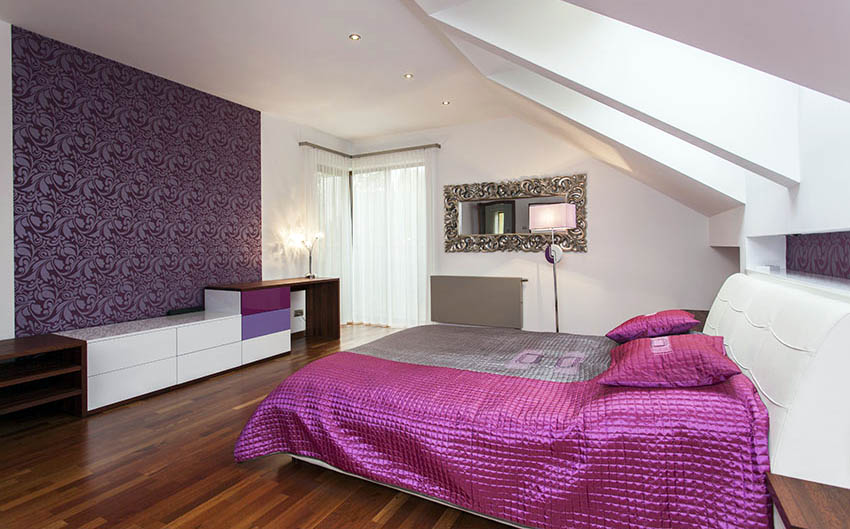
(794, 344)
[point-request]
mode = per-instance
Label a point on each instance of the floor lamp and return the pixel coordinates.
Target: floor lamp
(560, 216)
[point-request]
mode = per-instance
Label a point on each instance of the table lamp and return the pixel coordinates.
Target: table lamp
(552, 217)
(299, 239)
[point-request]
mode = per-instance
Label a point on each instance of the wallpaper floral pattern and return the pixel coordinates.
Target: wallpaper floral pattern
(826, 254)
(131, 192)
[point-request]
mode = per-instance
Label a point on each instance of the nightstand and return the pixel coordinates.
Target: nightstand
(809, 505)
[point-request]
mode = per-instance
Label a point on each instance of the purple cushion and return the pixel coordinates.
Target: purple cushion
(684, 360)
(661, 323)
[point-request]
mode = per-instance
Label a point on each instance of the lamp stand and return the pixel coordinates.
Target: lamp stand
(555, 279)
(310, 274)
(553, 255)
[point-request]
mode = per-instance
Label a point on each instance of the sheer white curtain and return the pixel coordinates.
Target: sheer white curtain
(327, 191)
(391, 260)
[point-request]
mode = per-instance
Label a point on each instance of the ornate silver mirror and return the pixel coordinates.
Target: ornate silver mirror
(493, 216)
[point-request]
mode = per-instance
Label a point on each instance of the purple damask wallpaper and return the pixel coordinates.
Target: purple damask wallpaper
(131, 192)
(826, 254)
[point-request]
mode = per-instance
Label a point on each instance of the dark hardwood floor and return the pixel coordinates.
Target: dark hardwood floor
(166, 461)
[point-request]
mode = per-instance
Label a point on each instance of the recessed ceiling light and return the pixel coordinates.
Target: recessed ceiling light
(446, 103)
(354, 36)
(408, 76)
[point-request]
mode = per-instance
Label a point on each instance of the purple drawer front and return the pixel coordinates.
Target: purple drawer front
(264, 299)
(263, 323)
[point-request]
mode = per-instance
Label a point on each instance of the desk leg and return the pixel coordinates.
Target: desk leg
(322, 304)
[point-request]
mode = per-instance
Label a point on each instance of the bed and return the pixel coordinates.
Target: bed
(511, 424)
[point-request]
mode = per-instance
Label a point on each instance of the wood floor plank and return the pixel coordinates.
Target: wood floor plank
(167, 462)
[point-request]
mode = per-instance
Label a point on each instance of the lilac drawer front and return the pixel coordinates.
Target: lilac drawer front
(263, 323)
(265, 299)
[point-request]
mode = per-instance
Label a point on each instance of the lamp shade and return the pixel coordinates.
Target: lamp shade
(547, 217)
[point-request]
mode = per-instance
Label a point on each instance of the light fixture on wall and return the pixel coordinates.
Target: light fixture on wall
(408, 76)
(354, 36)
(552, 218)
(298, 239)
(446, 102)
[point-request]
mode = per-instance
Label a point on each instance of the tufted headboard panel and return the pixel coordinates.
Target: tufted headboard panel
(794, 344)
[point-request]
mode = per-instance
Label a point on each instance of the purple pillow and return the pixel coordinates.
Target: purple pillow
(661, 323)
(684, 360)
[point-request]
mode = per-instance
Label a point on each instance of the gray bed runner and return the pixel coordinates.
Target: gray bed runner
(537, 355)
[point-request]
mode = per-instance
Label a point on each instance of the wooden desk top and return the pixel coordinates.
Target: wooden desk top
(808, 505)
(291, 282)
(17, 347)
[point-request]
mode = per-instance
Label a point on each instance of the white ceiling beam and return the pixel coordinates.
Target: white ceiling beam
(687, 160)
(745, 116)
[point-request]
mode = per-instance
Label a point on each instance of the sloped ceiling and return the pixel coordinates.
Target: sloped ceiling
(649, 171)
(670, 179)
(294, 59)
(804, 41)
(735, 112)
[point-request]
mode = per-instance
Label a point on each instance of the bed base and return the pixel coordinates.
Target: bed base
(322, 464)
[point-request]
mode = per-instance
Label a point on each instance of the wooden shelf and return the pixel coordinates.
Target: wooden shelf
(37, 370)
(32, 345)
(36, 397)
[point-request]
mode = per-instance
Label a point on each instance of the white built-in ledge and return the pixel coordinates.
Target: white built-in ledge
(835, 287)
(130, 328)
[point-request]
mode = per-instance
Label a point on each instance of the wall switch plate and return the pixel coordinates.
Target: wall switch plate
(298, 312)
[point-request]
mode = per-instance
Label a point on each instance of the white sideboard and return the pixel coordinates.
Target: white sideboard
(130, 359)
(265, 318)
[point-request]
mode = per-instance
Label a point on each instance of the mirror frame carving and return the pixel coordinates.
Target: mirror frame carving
(574, 240)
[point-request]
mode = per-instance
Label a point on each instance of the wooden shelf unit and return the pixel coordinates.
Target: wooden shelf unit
(44, 369)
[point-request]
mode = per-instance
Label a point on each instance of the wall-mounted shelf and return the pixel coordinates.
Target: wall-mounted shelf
(40, 370)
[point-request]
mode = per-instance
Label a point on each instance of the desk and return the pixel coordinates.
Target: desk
(322, 300)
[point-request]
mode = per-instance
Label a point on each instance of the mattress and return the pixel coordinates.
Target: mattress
(512, 425)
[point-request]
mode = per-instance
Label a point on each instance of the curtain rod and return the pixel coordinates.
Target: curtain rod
(390, 151)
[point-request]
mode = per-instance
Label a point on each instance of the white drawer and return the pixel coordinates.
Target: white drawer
(208, 334)
(265, 346)
(209, 361)
(119, 353)
(124, 384)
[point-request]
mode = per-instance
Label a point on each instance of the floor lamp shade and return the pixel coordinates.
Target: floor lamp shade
(551, 217)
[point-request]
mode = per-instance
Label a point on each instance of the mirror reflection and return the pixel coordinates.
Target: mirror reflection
(498, 217)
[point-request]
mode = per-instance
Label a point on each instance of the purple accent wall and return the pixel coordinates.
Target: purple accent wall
(826, 254)
(131, 192)
(263, 323)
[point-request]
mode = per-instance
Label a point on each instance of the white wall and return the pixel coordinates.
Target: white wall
(283, 192)
(646, 252)
(7, 247)
(819, 203)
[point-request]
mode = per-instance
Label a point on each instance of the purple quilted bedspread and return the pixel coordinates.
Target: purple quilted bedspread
(533, 452)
